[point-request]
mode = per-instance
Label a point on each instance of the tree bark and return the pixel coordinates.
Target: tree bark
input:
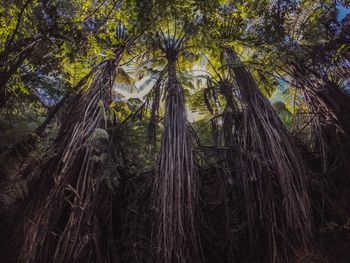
(69, 215)
(175, 189)
(272, 174)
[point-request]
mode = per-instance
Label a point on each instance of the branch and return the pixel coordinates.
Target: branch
(19, 17)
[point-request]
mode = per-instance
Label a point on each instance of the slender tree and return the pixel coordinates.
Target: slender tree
(275, 189)
(73, 199)
(175, 189)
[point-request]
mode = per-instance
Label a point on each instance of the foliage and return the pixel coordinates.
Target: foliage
(150, 131)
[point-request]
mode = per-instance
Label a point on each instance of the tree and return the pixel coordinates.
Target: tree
(150, 133)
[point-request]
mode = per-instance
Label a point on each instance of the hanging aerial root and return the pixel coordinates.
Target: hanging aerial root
(175, 189)
(326, 102)
(68, 220)
(273, 178)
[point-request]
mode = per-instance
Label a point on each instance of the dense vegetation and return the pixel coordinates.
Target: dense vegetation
(174, 131)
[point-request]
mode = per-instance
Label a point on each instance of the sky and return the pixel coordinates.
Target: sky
(343, 11)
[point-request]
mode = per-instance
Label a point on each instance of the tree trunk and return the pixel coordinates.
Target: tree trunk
(175, 189)
(71, 210)
(272, 174)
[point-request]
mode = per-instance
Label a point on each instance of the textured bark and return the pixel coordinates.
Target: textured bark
(67, 219)
(273, 178)
(175, 189)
